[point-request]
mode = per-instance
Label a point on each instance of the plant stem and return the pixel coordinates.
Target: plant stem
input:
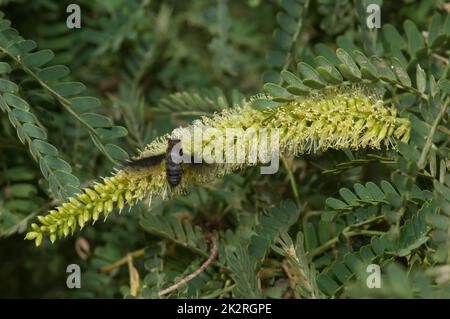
(348, 233)
(426, 149)
(292, 180)
(444, 130)
(135, 254)
(191, 276)
(65, 104)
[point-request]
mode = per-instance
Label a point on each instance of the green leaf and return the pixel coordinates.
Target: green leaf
(349, 196)
(327, 285)
(335, 203)
(393, 37)
(287, 23)
(341, 272)
(243, 272)
(4, 68)
(444, 85)
(282, 40)
(327, 71)
(24, 116)
(22, 47)
(415, 39)
(380, 244)
(111, 133)
(325, 51)
(310, 76)
(8, 86)
(67, 178)
(435, 28)
(292, 79)
(45, 148)
(368, 71)
(69, 88)
(401, 73)
(375, 191)
(271, 76)
(261, 104)
(16, 102)
(409, 152)
(292, 8)
(84, 104)
(383, 70)
(116, 152)
(20, 173)
(34, 131)
(421, 79)
(362, 192)
(276, 91)
(311, 237)
(276, 58)
(23, 190)
(394, 198)
(96, 120)
(416, 244)
(22, 205)
(298, 90)
(57, 163)
(348, 67)
(438, 221)
(270, 227)
(441, 189)
(38, 58)
(53, 73)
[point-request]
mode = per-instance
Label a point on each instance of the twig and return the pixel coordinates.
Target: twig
(134, 277)
(443, 129)
(440, 58)
(291, 277)
(293, 183)
(123, 261)
(202, 268)
(219, 293)
(447, 7)
(295, 36)
(349, 233)
(423, 156)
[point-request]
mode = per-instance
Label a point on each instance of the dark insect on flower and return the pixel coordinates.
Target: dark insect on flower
(173, 158)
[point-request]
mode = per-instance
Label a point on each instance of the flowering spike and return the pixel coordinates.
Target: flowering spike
(345, 118)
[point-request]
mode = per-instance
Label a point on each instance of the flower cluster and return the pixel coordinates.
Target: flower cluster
(346, 118)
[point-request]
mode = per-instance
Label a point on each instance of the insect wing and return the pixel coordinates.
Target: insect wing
(146, 162)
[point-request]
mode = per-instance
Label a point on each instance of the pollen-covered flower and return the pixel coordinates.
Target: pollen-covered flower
(346, 118)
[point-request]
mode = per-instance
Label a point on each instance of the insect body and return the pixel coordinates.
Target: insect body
(173, 166)
(173, 157)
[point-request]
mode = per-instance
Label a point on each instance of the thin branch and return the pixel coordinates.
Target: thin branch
(292, 180)
(218, 294)
(134, 277)
(440, 58)
(295, 36)
(291, 276)
(347, 231)
(444, 130)
(123, 261)
(423, 156)
(202, 268)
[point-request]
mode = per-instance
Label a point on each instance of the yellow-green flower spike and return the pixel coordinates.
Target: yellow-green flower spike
(345, 118)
